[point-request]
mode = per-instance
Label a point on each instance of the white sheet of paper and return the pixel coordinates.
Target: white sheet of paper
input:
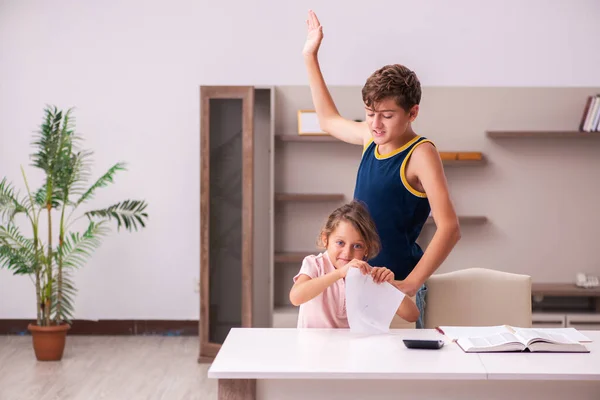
(370, 306)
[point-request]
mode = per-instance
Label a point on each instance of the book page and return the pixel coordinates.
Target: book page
(571, 333)
(456, 332)
(494, 340)
(504, 341)
(370, 306)
(530, 335)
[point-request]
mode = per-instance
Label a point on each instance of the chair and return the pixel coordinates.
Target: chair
(478, 297)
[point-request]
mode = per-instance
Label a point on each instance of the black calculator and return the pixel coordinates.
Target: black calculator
(423, 344)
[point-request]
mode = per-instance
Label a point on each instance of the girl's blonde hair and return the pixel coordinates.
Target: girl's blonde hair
(356, 214)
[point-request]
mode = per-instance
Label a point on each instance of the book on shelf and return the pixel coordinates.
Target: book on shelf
(504, 338)
(590, 120)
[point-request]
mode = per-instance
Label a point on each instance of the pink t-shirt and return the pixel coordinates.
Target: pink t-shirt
(327, 310)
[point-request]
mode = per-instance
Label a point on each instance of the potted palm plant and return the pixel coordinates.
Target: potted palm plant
(50, 256)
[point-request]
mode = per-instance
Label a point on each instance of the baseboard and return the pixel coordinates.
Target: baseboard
(112, 327)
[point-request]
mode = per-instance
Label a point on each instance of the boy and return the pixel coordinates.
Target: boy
(400, 177)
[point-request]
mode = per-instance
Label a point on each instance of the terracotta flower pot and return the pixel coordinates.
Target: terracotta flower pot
(49, 341)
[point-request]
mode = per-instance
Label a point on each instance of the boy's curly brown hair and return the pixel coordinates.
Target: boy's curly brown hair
(395, 81)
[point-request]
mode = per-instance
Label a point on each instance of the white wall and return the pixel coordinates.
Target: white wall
(133, 68)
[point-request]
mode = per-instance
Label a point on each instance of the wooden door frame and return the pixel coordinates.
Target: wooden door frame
(209, 350)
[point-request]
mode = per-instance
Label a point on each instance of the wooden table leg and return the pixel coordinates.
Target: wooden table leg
(237, 389)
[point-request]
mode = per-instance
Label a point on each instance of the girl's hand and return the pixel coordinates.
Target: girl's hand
(382, 274)
(314, 36)
(364, 267)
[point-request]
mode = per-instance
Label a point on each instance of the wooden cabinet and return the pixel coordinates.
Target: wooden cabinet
(236, 138)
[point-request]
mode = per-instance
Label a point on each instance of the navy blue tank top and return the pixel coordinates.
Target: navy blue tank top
(399, 210)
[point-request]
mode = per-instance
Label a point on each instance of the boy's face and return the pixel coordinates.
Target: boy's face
(387, 121)
(344, 244)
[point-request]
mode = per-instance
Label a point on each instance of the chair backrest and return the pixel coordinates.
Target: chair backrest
(478, 297)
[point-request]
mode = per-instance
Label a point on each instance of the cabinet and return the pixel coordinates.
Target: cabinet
(557, 305)
(236, 203)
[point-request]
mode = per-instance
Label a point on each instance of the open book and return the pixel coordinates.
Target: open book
(505, 338)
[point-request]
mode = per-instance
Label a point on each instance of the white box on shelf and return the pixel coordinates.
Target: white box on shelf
(308, 123)
(584, 321)
(548, 320)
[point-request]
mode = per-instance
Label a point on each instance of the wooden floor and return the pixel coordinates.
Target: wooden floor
(101, 367)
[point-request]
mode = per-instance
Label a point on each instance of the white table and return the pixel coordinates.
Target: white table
(318, 364)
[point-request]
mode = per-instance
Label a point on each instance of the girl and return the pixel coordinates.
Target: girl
(349, 237)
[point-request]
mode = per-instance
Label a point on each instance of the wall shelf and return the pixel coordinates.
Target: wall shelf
(562, 290)
(292, 257)
(331, 139)
(298, 256)
(464, 220)
(310, 138)
(543, 134)
(308, 197)
(463, 163)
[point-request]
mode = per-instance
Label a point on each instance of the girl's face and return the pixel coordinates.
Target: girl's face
(344, 244)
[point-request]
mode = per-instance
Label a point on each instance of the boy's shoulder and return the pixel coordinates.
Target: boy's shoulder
(425, 150)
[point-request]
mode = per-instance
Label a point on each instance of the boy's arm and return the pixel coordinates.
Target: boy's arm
(408, 310)
(306, 288)
(330, 119)
(430, 172)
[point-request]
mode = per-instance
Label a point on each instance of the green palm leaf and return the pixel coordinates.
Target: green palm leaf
(40, 197)
(10, 204)
(17, 253)
(15, 260)
(80, 168)
(49, 140)
(103, 181)
(54, 155)
(128, 213)
(71, 178)
(67, 299)
(77, 248)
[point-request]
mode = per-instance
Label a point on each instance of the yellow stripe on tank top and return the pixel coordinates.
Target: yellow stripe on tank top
(403, 171)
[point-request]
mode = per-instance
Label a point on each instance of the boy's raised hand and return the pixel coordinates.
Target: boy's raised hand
(314, 36)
